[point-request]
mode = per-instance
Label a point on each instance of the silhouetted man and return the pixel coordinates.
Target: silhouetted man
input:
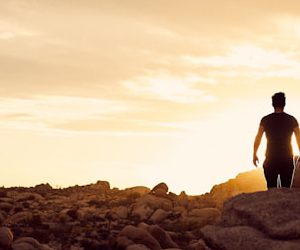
(279, 128)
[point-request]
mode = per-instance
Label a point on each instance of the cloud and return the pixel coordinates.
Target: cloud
(42, 112)
(249, 56)
(167, 87)
(67, 116)
(248, 61)
(9, 30)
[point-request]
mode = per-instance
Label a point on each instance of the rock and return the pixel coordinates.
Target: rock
(28, 240)
(155, 202)
(140, 236)
(93, 244)
(6, 237)
(120, 212)
(276, 212)
(102, 185)
(160, 189)
(161, 236)
(136, 190)
(63, 216)
(251, 181)
(28, 243)
(23, 246)
(243, 237)
(123, 242)
(195, 219)
(159, 215)
(137, 247)
(209, 215)
(86, 213)
(20, 217)
(6, 206)
(27, 196)
(261, 220)
(142, 212)
(2, 217)
(43, 189)
(198, 245)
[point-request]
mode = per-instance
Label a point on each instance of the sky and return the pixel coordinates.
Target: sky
(139, 92)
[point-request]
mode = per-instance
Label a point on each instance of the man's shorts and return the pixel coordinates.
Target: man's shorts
(282, 167)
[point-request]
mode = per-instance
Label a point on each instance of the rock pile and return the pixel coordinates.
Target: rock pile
(97, 216)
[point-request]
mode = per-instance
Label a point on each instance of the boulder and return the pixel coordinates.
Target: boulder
(137, 247)
(20, 217)
(28, 240)
(155, 202)
(209, 215)
(101, 185)
(6, 206)
(275, 212)
(136, 190)
(6, 237)
(29, 243)
(159, 215)
(261, 220)
(161, 236)
(140, 236)
(244, 237)
(160, 189)
(141, 212)
(252, 181)
(43, 189)
(27, 196)
(198, 245)
(196, 219)
(120, 212)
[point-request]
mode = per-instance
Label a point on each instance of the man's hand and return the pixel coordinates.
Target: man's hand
(256, 144)
(255, 160)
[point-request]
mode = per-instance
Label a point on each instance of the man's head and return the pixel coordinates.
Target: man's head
(278, 100)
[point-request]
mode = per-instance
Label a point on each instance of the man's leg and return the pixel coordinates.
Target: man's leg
(286, 173)
(271, 174)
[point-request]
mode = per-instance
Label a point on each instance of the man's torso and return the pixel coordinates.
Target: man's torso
(279, 128)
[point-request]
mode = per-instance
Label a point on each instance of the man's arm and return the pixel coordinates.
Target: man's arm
(257, 143)
(297, 135)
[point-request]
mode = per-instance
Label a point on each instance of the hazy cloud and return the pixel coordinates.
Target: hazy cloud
(181, 89)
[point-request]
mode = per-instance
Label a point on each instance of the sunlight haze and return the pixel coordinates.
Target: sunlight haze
(141, 92)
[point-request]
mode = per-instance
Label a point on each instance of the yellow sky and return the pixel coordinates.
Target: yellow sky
(138, 92)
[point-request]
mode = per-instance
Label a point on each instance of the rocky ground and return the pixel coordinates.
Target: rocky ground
(97, 216)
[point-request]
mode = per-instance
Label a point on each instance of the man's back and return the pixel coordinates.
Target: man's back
(279, 128)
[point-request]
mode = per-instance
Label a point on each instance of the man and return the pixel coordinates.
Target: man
(279, 128)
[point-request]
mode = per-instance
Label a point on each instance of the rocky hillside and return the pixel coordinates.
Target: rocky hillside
(98, 217)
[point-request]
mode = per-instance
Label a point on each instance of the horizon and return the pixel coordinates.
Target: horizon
(137, 93)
